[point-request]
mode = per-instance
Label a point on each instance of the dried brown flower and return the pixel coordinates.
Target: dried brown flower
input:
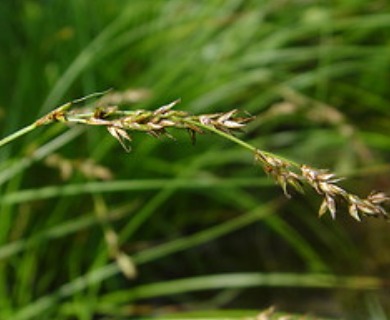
(325, 184)
(121, 135)
(280, 171)
(226, 122)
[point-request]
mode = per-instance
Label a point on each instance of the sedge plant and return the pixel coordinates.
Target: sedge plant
(287, 173)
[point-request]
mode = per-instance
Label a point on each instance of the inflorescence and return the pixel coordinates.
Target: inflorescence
(286, 173)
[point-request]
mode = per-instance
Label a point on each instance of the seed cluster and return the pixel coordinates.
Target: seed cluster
(280, 170)
(324, 183)
(155, 122)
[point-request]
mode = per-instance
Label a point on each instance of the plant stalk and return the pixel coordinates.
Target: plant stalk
(18, 134)
(238, 141)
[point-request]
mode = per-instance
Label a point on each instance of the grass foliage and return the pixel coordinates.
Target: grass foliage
(89, 231)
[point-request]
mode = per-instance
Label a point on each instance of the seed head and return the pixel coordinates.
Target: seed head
(280, 171)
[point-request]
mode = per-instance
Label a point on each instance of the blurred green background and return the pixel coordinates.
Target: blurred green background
(207, 231)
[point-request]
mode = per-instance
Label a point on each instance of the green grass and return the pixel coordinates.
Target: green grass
(316, 77)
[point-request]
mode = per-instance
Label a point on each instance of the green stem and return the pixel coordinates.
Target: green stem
(223, 134)
(238, 141)
(18, 134)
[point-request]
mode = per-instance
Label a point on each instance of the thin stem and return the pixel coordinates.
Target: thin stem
(223, 134)
(18, 134)
(237, 141)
